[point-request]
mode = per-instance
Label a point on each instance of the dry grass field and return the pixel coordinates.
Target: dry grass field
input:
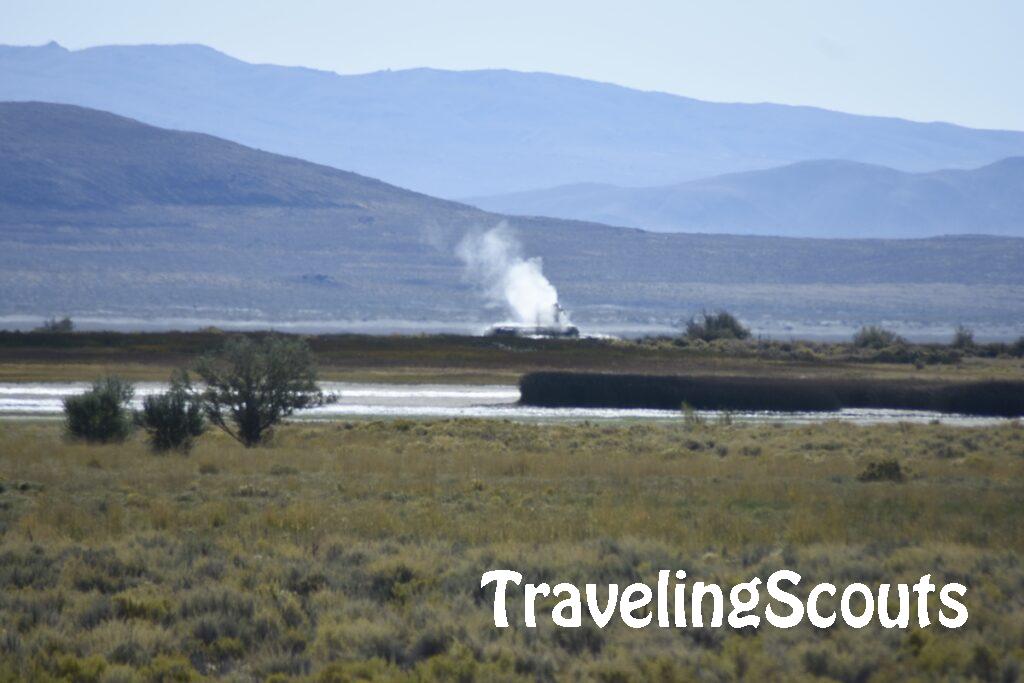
(474, 360)
(352, 551)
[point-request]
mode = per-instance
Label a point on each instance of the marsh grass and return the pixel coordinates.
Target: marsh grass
(482, 360)
(757, 393)
(356, 549)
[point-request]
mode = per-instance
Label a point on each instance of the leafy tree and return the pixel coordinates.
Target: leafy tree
(101, 414)
(963, 337)
(251, 385)
(875, 337)
(712, 326)
(174, 418)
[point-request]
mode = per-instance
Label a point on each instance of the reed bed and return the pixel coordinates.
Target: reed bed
(814, 394)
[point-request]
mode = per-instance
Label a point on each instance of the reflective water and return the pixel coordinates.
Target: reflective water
(39, 399)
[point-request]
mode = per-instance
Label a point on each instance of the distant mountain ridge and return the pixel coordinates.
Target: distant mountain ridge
(826, 199)
(103, 215)
(461, 134)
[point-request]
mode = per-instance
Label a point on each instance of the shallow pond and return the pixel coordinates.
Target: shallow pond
(43, 399)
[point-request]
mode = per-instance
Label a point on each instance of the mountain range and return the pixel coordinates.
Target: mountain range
(476, 133)
(103, 215)
(829, 198)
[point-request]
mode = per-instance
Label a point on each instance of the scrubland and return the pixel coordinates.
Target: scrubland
(351, 551)
(83, 356)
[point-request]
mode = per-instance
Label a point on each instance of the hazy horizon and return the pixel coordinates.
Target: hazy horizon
(498, 69)
(799, 53)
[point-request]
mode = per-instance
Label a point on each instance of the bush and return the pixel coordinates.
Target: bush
(62, 326)
(886, 470)
(711, 326)
(875, 337)
(169, 669)
(101, 414)
(87, 670)
(963, 338)
(251, 385)
(174, 418)
(1017, 348)
(942, 356)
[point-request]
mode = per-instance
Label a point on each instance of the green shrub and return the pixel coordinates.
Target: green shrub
(711, 326)
(80, 670)
(101, 414)
(898, 353)
(54, 326)
(1017, 348)
(963, 338)
(875, 337)
(690, 417)
(943, 356)
(886, 470)
(134, 605)
(174, 418)
(169, 669)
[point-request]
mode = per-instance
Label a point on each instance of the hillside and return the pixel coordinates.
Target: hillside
(73, 158)
(460, 134)
(105, 216)
(806, 199)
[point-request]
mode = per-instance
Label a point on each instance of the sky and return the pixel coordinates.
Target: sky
(927, 60)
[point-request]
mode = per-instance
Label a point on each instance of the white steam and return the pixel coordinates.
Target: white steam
(494, 259)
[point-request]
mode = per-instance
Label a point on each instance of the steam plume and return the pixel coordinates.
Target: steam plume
(518, 284)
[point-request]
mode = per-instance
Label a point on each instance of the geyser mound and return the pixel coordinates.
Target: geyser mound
(516, 283)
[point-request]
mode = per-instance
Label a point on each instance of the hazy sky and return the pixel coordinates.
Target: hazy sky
(951, 60)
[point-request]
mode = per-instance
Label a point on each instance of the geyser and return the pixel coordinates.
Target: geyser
(494, 258)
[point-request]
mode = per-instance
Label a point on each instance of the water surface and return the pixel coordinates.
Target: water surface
(44, 400)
